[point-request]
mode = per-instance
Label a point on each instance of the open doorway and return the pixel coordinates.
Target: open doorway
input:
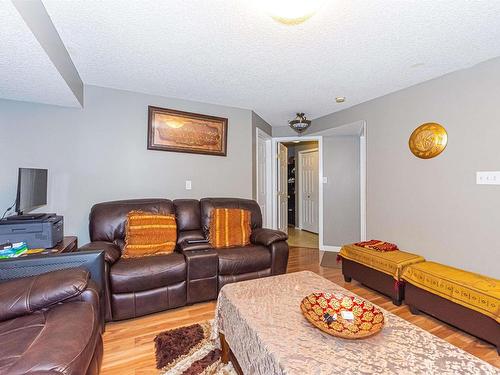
(298, 192)
(341, 186)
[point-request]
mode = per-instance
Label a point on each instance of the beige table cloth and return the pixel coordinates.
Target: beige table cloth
(264, 327)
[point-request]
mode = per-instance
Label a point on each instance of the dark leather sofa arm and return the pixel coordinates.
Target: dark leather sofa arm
(266, 237)
(112, 252)
(26, 295)
(279, 257)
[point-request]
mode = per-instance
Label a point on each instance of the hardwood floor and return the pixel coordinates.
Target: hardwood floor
(129, 348)
(302, 238)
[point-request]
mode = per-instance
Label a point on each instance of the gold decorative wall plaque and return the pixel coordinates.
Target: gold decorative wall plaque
(428, 140)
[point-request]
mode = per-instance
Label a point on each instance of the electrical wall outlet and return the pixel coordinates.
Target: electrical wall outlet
(488, 178)
(188, 185)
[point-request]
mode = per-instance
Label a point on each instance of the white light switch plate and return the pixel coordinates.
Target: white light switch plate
(488, 178)
(188, 185)
(325, 180)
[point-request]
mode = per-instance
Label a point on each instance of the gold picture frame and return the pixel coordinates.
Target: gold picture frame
(178, 131)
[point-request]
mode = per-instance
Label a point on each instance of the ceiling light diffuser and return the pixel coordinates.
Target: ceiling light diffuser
(291, 12)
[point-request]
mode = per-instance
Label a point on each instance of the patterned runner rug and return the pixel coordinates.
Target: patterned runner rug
(189, 351)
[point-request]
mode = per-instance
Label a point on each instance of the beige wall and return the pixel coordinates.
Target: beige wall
(341, 194)
(99, 153)
(434, 207)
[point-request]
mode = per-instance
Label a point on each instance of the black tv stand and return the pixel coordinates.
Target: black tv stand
(25, 217)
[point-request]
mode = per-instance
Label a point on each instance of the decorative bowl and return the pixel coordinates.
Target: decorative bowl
(341, 315)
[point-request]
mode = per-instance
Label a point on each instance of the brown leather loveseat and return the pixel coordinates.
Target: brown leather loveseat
(50, 324)
(194, 272)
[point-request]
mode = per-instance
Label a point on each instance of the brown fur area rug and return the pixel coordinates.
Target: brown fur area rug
(190, 351)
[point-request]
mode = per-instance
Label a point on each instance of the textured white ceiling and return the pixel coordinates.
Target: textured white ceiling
(26, 72)
(231, 52)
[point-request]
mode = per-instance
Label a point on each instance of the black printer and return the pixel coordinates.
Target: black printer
(44, 232)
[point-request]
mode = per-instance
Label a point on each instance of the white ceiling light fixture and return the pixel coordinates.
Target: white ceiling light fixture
(300, 123)
(291, 12)
(340, 99)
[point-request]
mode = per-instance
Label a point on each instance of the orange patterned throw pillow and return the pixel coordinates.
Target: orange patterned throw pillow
(229, 227)
(149, 234)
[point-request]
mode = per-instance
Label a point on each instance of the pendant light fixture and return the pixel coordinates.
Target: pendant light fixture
(300, 123)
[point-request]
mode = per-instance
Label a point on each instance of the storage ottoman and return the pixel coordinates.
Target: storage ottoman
(463, 299)
(377, 270)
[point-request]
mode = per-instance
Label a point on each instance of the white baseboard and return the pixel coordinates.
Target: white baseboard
(330, 248)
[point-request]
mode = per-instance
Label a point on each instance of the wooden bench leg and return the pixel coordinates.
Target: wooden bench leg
(224, 356)
(396, 301)
(347, 279)
(414, 310)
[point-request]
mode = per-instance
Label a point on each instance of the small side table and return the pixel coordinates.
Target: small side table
(69, 244)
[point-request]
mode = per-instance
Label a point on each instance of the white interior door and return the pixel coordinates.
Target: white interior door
(282, 188)
(309, 190)
(263, 177)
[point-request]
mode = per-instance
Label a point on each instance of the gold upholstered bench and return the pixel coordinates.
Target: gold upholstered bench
(377, 270)
(463, 299)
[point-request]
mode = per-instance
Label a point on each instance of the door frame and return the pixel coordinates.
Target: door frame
(274, 179)
(262, 135)
(299, 194)
(283, 221)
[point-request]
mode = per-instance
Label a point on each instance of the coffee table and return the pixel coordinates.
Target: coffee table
(263, 331)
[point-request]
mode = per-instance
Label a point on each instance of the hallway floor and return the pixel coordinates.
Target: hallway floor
(302, 238)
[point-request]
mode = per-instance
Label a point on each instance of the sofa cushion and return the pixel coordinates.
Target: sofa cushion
(108, 219)
(59, 340)
(229, 227)
(138, 274)
(208, 204)
(187, 212)
(238, 260)
(149, 234)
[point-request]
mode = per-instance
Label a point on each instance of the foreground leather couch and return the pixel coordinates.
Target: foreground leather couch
(50, 324)
(194, 272)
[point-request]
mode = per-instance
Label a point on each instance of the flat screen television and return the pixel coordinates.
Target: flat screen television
(31, 189)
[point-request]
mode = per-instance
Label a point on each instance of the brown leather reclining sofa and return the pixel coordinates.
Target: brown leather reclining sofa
(51, 324)
(194, 272)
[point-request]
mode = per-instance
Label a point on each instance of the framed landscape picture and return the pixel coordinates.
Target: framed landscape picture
(171, 130)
